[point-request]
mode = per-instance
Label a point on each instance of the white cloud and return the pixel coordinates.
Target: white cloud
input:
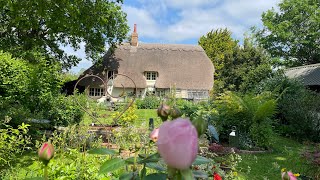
(147, 26)
(176, 21)
(195, 18)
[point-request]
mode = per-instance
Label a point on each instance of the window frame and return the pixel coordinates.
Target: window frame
(96, 92)
(151, 75)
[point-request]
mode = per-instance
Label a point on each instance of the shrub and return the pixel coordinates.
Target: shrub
(13, 141)
(298, 107)
(251, 114)
(187, 108)
(149, 102)
(128, 117)
(64, 111)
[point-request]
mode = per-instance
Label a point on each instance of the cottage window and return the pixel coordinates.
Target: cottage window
(110, 74)
(151, 75)
(95, 92)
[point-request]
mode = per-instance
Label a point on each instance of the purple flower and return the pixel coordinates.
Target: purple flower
(178, 143)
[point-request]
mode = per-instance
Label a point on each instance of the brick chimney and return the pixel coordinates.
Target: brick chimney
(134, 36)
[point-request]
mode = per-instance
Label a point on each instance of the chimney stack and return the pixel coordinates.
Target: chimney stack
(134, 36)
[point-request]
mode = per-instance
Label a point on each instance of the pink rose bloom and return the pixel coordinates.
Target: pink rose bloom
(178, 143)
(154, 135)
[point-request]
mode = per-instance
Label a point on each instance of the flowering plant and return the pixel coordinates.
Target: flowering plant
(288, 175)
(176, 143)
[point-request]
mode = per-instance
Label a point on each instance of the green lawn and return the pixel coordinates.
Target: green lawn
(268, 166)
(103, 116)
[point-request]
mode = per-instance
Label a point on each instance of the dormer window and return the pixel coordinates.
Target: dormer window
(151, 75)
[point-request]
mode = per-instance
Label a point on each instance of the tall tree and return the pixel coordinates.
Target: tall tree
(238, 67)
(292, 32)
(217, 44)
(47, 25)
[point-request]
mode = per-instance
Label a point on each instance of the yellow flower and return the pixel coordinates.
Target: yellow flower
(283, 170)
(235, 173)
(296, 175)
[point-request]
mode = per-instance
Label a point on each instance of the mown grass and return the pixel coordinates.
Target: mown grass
(102, 115)
(285, 154)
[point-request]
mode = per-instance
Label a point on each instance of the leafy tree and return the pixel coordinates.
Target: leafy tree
(292, 32)
(217, 44)
(237, 67)
(45, 26)
(250, 64)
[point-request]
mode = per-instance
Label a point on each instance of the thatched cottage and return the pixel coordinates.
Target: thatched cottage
(155, 69)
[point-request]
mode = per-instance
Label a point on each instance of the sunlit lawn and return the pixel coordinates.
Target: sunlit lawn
(285, 154)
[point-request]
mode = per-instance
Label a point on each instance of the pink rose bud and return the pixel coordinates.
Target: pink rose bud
(178, 143)
(163, 112)
(154, 135)
(46, 152)
(175, 113)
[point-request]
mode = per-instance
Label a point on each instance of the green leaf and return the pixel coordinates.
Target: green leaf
(126, 176)
(187, 174)
(143, 172)
(130, 160)
(266, 110)
(155, 166)
(156, 176)
(200, 174)
(102, 151)
(152, 158)
(201, 160)
(111, 165)
(35, 178)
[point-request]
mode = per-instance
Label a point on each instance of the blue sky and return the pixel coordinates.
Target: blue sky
(185, 21)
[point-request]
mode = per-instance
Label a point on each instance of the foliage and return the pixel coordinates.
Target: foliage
(187, 107)
(149, 102)
(250, 114)
(127, 137)
(298, 107)
(13, 142)
(218, 44)
(64, 111)
(46, 26)
(128, 117)
(14, 77)
(292, 32)
(33, 91)
(237, 67)
(312, 154)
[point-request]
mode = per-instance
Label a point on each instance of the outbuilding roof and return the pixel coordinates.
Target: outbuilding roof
(309, 75)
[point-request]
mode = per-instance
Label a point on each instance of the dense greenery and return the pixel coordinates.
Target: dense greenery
(33, 91)
(237, 67)
(292, 32)
(298, 107)
(47, 26)
(149, 102)
(250, 114)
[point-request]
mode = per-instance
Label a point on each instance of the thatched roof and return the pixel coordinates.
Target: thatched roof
(182, 66)
(309, 75)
